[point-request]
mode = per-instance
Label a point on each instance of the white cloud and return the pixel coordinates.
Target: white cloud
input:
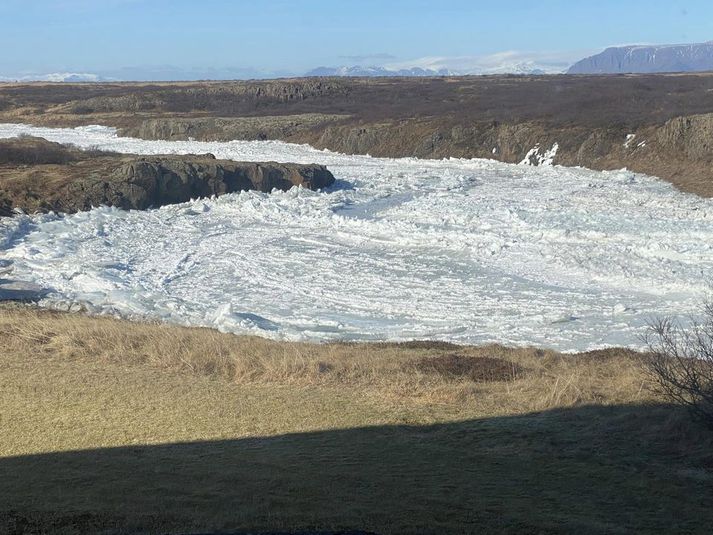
(54, 77)
(500, 62)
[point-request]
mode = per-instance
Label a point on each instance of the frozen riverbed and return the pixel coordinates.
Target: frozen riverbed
(469, 251)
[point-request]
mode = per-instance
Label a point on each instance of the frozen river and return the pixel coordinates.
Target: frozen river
(470, 251)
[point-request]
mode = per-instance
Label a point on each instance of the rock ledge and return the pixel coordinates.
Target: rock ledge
(38, 176)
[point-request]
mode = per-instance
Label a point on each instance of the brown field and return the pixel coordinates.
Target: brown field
(589, 117)
(585, 100)
(117, 427)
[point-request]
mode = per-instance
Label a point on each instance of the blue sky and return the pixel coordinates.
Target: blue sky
(290, 37)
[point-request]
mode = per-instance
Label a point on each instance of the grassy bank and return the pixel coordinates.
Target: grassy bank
(116, 426)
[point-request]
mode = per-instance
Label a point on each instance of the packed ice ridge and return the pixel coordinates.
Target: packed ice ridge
(471, 251)
(535, 156)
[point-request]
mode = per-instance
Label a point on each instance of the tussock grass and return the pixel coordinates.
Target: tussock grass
(495, 378)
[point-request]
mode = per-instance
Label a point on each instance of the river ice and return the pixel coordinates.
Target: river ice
(470, 251)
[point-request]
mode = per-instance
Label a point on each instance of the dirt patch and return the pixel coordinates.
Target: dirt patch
(435, 345)
(478, 369)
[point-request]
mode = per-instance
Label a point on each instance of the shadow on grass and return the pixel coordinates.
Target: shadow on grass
(590, 469)
(21, 291)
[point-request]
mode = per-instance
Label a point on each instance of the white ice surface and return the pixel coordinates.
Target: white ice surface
(469, 251)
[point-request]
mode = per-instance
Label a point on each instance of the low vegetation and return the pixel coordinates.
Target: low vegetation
(33, 151)
(29, 150)
(493, 379)
(681, 363)
(118, 427)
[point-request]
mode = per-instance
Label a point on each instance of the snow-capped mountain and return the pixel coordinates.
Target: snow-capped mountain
(523, 67)
(648, 59)
(526, 67)
(358, 70)
(54, 77)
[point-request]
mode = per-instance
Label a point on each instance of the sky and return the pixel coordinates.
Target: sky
(252, 38)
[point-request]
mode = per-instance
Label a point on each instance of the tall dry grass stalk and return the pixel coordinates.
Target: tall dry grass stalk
(545, 379)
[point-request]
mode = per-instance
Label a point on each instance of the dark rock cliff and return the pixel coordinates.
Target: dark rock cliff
(679, 150)
(38, 175)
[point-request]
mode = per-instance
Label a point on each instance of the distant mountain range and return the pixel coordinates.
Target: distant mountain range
(376, 71)
(613, 60)
(358, 70)
(165, 74)
(55, 77)
(648, 59)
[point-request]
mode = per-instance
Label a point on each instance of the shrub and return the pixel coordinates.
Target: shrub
(681, 362)
(81, 109)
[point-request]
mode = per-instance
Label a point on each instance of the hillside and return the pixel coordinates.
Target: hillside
(655, 124)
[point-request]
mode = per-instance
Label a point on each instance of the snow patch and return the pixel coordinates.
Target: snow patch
(536, 158)
(56, 77)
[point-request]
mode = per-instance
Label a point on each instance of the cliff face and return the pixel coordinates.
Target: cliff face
(648, 59)
(680, 150)
(227, 128)
(46, 176)
(156, 181)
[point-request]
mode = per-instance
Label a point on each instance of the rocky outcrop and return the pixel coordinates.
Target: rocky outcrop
(227, 128)
(75, 180)
(156, 181)
(228, 98)
(691, 136)
(680, 150)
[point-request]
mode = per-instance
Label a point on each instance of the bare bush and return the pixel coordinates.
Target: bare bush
(681, 362)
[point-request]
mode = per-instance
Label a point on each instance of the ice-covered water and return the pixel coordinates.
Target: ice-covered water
(463, 250)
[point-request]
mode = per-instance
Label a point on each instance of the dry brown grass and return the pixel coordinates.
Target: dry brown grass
(537, 379)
